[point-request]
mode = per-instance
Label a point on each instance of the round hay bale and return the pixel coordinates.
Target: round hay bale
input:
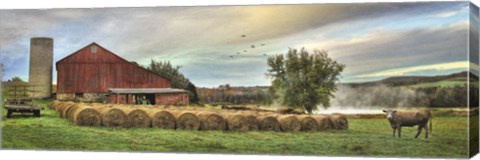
(70, 111)
(87, 116)
(339, 122)
(323, 122)
(308, 123)
(60, 105)
(211, 121)
(100, 105)
(252, 122)
(162, 119)
(268, 123)
(120, 106)
(63, 108)
(186, 108)
(113, 117)
(54, 104)
(261, 113)
(189, 108)
(159, 106)
(138, 118)
(236, 122)
(289, 123)
(97, 104)
(244, 112)
(186, 120)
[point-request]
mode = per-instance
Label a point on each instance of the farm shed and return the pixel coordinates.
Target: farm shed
(88, 74)
(167, 96)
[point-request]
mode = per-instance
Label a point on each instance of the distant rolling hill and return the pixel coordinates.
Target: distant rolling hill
(420, 81)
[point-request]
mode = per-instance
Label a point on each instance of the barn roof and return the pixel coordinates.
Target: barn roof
(145, 90)
(96, 44)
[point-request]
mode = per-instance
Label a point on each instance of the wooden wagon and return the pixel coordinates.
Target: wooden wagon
(23, 109)
(20, 102)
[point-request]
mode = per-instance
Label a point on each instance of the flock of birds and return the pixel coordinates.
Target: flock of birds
(251, 46)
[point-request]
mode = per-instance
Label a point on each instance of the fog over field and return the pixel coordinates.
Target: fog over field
(373, 99)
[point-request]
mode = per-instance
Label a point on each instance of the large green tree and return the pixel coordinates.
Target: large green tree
(304, 79)
(178, 80)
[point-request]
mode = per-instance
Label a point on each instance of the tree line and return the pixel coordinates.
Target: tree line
(226, 95)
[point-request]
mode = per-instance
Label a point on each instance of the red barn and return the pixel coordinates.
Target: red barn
(94, 73)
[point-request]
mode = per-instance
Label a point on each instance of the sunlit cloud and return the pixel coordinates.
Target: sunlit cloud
(408, 70)
(447, 14)
(451, 13)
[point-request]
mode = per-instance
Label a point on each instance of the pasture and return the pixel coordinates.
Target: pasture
(365, 137)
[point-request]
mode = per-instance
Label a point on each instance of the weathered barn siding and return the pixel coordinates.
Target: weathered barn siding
(87, 71)
(171, 98)
(118, 99)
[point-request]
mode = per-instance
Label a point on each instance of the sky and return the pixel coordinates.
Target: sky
(373, 40)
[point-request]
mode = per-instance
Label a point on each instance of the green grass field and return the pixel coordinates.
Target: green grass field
(372, 137)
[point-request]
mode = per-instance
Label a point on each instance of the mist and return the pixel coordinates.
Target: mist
(372, 99)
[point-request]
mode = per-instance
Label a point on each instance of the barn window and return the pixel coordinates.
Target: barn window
(93, 49)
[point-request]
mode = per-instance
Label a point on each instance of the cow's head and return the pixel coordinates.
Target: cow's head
(390, 113)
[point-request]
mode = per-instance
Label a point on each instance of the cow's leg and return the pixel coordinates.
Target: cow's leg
(420, 127)
(399, 132)
(394, 129)
(426, 131)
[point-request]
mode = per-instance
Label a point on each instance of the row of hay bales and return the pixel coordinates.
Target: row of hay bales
(191, 118)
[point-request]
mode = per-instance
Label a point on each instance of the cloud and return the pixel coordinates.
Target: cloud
(408, 70)
(16, 24)
(198, 38)
(446, 14)
(452, 12)
(383, 48)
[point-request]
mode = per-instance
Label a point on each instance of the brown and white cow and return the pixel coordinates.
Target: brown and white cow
(399, 119)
